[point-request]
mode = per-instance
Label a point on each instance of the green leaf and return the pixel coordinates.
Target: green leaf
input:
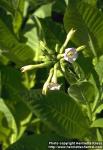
(12, 94)
(99, 135)
(7, 5)
(99, 109)
(66, 2)
(91, 2)
(60, 112)
(44, 11)
(18, 15)
(9, 124)
(79, 71)
(59, 8)
(14, 50)
(86, 65)
(8, 77)
(51, 32)
(35, 142)
(99, 68)
(33, 33)
(86, 19)
(97, 123)
(68, 73)
(83, 92)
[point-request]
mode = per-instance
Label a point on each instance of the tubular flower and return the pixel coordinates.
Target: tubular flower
(26, 68)
(70, 55)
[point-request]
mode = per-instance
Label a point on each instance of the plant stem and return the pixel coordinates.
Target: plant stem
(57, 47)
(89, 112)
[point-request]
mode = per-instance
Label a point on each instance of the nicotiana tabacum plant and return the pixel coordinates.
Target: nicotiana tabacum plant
(58, 94)
(77, 112)
(55, 60)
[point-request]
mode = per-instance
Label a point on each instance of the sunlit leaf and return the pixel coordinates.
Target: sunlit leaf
(44, 11)
(83, 92)
(60, 112)
(86, 19)
(14, 50)
(33, 33)
(97, 123)
(18, 15)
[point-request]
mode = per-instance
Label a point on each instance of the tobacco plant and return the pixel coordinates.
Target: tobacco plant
(51, 72)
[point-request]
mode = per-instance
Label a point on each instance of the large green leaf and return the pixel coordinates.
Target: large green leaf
(12, 94)
(60, 112)
(86, 66)
(16, 11)
(16, 51)
(83, 92)
(35, 142)
(87, 20)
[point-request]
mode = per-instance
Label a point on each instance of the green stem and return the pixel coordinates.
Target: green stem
(57, 47)
(89, 112)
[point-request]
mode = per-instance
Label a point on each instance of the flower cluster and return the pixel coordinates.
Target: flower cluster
(54, 59)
